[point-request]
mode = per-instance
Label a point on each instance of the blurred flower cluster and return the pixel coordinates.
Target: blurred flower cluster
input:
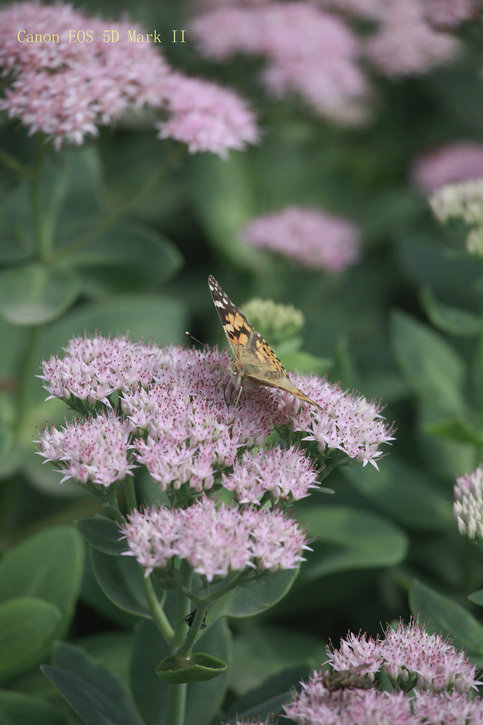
(67, 90)
(468, 505)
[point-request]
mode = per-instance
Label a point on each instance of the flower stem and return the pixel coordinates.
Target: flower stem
(177, 693)
(43, 240)
(130, 490)
(26, 369)
(112, 217)
(159, 617)
(185, 649)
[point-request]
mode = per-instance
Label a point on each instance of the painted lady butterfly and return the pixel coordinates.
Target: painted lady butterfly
(255, 362)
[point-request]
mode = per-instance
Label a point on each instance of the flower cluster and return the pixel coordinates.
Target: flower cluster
(462, 201)
(184, 428)
(274, 321)
(284, 472)
(322, 68)
(67, 89)
(96, 450)
(405, 650)
(215, 540)
(450, 13)
(448, 165)
(441, 694)
(468, 505)
(311, 237)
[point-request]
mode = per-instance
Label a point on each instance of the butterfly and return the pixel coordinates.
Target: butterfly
(255, 362)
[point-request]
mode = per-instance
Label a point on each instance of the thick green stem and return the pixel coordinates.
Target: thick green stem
(112, 217)
(43, 239)
(130, 490)
(159, 617)
(177, 693)
(185, 649)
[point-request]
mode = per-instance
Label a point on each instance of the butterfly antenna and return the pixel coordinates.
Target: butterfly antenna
(203, 344)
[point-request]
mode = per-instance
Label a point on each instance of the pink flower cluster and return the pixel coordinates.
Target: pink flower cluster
(96, 450)
(215, 540)
(313, 238)
(450, 13)
(308, 51)
(284, 472)
(448, 165)
(441, 694)
(468, 505)
(406, 650)
(67, 89)
(184, 431)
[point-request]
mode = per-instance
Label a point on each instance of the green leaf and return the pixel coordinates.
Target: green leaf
(94, 597)
(103, 535)
(130, 257)
(47, 565)
(455, 429)
(200, 668)
(203, 698)
(121, 580)
(11, 453)
(476, 597)
(449, 319)
(347, 538)
(97, 696)
(35, 294)
(27, 630)
(439, 613)
(19, 709)
(255, 702)
(111, 649)
(430, 367)
(260, 595)
(404, 492)
(154, 317)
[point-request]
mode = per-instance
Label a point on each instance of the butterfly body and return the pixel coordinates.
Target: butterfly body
(254, 363)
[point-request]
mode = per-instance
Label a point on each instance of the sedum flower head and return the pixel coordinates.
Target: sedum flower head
(283, 472)
(448, 708)
(214, 540)
(67, 90)
(274, 321)
(449, 164)
(95, 450)
(450, 13)
(462, 201)
(468, 504)
(407, 650)
(313, 238)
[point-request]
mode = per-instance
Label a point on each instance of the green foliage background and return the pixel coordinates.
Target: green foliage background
(403, 325)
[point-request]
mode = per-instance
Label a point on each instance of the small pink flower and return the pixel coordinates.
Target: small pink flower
(405, 44)
(95, 450)
(450, 13)
(207, 117)
(214, 540)
(313, 238)
(447, 708)
(283, 472)
(468, 505)
(448, 165)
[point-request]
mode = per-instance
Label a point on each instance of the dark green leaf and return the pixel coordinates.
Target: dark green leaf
(431, 368)
(199, 668)
(121, 580)
(455, 429)
(19, 709)
(349, 539)
(256, 597)
(279, 685)
(476, 597)
(103, 535)
(404, 492)
(96, 695)
(449, 319)
(47, 565)
(35, 294)
(27, 630)
(439, 613)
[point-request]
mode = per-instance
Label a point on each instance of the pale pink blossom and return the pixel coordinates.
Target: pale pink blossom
(285, 473)
(406, 44)
(407, 650)
(450, 13)
(449, 164)
(468, 504)
(206, 116)
(313, 238)
(447, 708)
(214, 540)
(95, 450)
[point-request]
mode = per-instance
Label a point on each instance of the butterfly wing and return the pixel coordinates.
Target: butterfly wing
(254, 357)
